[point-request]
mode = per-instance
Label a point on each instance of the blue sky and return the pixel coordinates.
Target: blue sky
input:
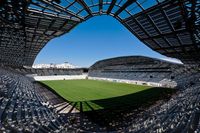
(98, 38)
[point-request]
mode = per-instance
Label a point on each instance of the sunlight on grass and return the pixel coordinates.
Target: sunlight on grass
(94, 95)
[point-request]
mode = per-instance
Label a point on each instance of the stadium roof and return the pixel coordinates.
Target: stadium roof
(131, 60)
(170, 27)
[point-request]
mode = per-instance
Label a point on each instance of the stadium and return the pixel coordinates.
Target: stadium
(136, 94)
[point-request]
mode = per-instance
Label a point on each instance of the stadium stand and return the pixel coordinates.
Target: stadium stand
(140, 70)
(170, 27)
(51, 71)
(29, 107)
(40, 74)
(179, 114)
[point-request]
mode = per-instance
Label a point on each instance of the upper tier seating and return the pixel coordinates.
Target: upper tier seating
(142, 69)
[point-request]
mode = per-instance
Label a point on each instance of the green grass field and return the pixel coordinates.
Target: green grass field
(94, 95)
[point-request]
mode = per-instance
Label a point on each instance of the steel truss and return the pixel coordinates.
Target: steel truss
(170, 27)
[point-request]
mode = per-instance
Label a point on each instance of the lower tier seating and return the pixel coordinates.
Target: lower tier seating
(28, 107)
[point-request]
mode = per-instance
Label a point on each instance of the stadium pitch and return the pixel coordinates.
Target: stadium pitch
(88, 95)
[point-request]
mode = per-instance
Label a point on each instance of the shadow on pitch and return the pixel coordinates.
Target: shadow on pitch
(112, 114)
(119, 112)
(135, 100)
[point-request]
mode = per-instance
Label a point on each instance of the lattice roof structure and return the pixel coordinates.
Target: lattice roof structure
(170, 27)
(133, 61)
